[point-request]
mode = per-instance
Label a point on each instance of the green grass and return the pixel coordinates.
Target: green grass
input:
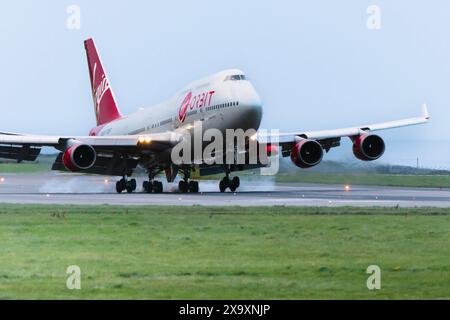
(400, 180)
(25, 167)
(223, 253)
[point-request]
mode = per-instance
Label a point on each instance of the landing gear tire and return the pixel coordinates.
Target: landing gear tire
(120, 185)
(157, 186)
(237, 182)
(193, 186)
(223, 184)
(130, 186)
(152, 186)
(183, 186)
(123, 184)
(188, 186)
(145, 186)
(234, 184)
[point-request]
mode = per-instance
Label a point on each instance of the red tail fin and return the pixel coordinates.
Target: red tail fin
(104, 102)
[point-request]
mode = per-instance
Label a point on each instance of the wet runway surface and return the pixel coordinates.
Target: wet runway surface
(62, 188)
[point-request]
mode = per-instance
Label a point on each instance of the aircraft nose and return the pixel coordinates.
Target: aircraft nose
(250, 115)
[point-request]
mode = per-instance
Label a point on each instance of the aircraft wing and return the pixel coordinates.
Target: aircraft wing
(331, 138)
(24, 147)
(147, 141)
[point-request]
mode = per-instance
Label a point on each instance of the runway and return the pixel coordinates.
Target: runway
(62, 188)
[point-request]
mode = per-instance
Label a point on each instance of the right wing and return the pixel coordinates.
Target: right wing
(109, 149)
(96, 141)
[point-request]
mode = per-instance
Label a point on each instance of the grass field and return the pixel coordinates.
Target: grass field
(26, 167)
(399, 180)
(223, 253)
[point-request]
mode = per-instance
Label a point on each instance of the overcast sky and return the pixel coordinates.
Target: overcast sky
(316, 64)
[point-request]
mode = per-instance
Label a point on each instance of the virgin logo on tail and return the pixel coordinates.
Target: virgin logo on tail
(102, 87)
(105, 106)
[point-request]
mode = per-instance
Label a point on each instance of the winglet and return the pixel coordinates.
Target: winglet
(425, 112)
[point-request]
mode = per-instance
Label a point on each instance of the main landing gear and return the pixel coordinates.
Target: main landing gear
(125, 184)
(152, 185)
(184, 186)
(187, 185)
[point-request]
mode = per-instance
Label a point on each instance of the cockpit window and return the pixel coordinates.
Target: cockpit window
(236, 77)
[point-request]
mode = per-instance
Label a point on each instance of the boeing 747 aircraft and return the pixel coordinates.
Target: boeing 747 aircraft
(225, 100)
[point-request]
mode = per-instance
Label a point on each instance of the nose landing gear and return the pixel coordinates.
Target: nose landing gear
(226, 182)
(232, 184)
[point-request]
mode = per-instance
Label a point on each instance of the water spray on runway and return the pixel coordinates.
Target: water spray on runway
(92, 184)
(78, 185)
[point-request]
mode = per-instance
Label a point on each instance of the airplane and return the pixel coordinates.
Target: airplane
(118, 144)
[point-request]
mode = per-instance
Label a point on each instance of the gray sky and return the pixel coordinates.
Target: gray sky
(316, 64)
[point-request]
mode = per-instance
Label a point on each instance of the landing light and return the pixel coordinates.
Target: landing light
(106, 181)
(144, 140)
(347, 187)
(2, 179)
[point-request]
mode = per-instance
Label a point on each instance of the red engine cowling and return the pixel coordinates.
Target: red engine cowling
(79, 157)
(306, 153)
(368, 147)
(271, 150)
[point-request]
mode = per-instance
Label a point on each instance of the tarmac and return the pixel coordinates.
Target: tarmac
(63, 188)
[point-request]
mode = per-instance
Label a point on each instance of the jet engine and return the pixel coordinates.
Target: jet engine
(271, 150)
(368, 147)
(306, 153)
(79, 157)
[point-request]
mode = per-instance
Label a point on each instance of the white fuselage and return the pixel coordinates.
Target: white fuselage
(225, 100)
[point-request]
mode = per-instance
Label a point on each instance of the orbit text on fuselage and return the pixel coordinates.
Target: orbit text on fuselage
(201, 100)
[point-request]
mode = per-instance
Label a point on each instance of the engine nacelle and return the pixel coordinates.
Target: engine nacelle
(368, 147)
(79, 157)
(272, 150)
(306, 153)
